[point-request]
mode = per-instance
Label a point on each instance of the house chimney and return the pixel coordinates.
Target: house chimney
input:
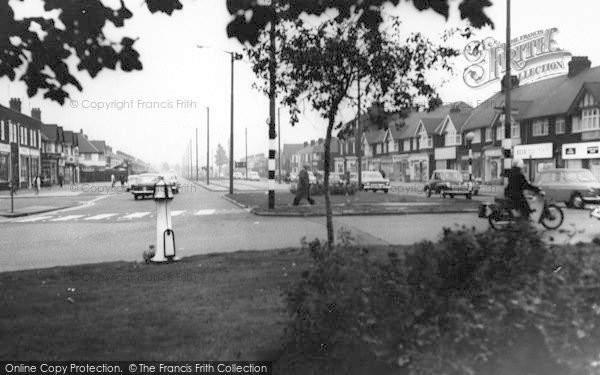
(320, 140)
(578, 64)
(36, 113)
(312, 142)
(514, 83)
(305, 144)
(15, 104)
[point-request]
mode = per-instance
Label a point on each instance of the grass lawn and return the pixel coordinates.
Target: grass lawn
(212, 307)
(367, 202)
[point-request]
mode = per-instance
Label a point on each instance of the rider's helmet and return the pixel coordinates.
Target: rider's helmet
(518, 163)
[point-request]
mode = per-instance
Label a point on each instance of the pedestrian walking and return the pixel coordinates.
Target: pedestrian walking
(303, 187)
(112, 180)
(122, 179)
(60, 180)
(37, 182)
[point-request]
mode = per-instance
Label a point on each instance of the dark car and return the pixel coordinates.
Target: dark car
(143, 185)
(448, 182)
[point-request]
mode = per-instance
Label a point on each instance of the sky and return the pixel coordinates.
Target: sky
(154, 113)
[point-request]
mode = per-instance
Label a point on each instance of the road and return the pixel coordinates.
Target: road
(115, 227)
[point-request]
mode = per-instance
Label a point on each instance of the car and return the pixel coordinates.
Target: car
(575, 187)
(475, 181)
(253, 176)
(448, 182)
(131, 179)
(238, 176)
(174, 182)
(143, 185)
(373, 180)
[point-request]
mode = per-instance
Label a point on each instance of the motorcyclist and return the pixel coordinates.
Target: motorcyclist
(517, 183)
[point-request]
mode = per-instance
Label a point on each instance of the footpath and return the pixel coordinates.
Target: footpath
(29, 202)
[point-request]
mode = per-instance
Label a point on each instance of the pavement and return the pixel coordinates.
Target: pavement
(115, 227)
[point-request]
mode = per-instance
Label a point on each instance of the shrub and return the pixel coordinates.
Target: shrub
(472, 303)
(334, 189)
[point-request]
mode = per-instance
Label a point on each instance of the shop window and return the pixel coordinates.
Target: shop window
(4, 165)
(559, 126)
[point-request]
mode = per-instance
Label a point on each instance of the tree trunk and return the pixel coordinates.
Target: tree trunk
(327, 162)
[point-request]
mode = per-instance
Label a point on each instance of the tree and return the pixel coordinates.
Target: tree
(221, 157)
(321, 64)
(44, 57)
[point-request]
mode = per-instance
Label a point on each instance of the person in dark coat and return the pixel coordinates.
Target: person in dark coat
(517, 183)
(303, 188)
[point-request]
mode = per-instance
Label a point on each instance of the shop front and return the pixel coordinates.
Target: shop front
(4, 166)
(419, 167)
(492, 165)
(536, 158)
(582, 155)
(387, 167)
(476, 162)
(401, 169)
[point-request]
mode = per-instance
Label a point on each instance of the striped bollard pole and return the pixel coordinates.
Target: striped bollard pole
(271, 163)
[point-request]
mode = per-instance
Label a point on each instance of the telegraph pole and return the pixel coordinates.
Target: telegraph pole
(207, 146)
(246, 176)
(197, 171)
(191, 163)
(358, 141)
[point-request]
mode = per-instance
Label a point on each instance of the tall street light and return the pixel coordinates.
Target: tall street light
(469, 138)
(234, 56)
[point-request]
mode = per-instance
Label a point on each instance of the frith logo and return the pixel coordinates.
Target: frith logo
(533, 56)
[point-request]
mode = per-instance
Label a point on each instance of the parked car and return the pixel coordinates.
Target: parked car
(253, 176)
(131, 179)
(448, 182)
(143, 185)
(238, 176)
(174, 182)
(575, 187)
(372, 180)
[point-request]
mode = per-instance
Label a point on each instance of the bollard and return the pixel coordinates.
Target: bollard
(165, 236)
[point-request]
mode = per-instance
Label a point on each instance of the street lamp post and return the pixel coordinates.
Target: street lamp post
(234, 56)
(207, 146)
(197, 171)
(279, 142)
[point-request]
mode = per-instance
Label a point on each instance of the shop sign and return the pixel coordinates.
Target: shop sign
(533, 151)
(584, 150)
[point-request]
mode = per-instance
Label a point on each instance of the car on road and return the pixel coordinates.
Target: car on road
(238, 176)
(575, 187)
(131, 179)
(253, 176)
(448, 182)
(174, 182)
(143, 185)
(373, 180)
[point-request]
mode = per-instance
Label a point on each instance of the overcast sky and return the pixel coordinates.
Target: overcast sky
(176, 74)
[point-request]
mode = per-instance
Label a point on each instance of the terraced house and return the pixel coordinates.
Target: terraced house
(19, 146)
(555, 123)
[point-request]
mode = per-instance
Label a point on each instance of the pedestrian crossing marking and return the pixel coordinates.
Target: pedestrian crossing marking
(136, 215)
(100, 217)
(67, 218)
(32, 219)
(205, 212)
(177, 212)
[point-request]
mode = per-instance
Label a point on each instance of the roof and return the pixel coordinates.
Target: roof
(431, 124)
(438, 114)
(69, 137)
(291, 148)
(6, 112)
(320, 147)
(548, 97)
(85, 146)
(374, 136)
(457, 118)
(100, 146)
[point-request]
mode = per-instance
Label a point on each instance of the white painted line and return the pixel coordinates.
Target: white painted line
(177, 212)
(100, 217)
(32, 219)
(67, 218)
(205, 212)
(136, 215)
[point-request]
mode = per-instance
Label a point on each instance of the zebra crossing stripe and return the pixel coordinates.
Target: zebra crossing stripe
(136, 215)
(205, 212)
(177, 212)
(33, 219)
(100, 217)
(67, 218)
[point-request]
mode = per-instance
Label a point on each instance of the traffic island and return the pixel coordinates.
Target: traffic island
(361, 203)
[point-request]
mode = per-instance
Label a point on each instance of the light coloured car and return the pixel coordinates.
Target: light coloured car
(238, 176)
(131, 180)
(448, 182)
(144, 185)
(173, 181)
(575, 187)
(253, 176)
(373, 180)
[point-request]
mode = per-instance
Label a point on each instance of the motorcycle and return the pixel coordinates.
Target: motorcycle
(502, 214)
